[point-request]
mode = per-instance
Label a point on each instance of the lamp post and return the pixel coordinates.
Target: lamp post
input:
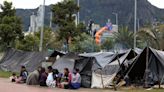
(76, 19)
(135, 22)
(42, 28)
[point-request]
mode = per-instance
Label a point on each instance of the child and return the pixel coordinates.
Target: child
(50, 79)
(13, 77)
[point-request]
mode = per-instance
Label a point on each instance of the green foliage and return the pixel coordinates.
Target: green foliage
(31, 41)
(152, 37)
(124, 37)
(10, 26)
(63, 17)
(84, 43)
(108, 44)
(7, 9)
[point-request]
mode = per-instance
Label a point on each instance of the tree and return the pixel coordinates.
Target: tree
(31, 41)
(108, 44)
(10, 25)
(84, 43)
(124, 37)
(64, 18)
(152, 37)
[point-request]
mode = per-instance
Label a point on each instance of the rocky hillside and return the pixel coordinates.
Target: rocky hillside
(101, 10)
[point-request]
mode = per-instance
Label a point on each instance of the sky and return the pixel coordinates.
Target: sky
(30, 4)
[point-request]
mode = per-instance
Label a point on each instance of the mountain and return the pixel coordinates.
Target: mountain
(101, 10)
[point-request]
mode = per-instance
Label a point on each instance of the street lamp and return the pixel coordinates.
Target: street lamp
(135, 22)
(116, 15)
(76, 19)
(42, 28)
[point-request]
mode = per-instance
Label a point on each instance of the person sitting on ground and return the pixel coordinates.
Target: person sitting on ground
(76, 80)
(56, 76)
(33, 78)
(50, 79)
(43, 77)
(13, 77)
(66, 79)
(23, 75)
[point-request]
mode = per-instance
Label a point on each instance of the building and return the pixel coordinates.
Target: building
(33, 23)
(36, 21)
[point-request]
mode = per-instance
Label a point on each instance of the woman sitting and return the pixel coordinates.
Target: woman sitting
(23, 75)
(33, 78)
(43, 77)
(66, 79)
(76, 80)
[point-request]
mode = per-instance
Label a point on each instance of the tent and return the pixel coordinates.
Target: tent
(147, 68)
(66, 61)
(14, 59)
(94, 66)
(54, 55)
(104, 76)
(92, 62)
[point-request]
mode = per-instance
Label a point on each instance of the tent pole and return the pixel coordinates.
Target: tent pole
(159, 82)
(146, 70)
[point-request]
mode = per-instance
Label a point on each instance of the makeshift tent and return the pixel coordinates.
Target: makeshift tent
(147, 68)
(91, 62)
(67, 61)
(54, 56)
(90, 65)
(14, 59)
(84, 62)
(104, 76)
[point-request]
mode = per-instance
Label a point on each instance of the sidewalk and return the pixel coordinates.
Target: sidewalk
(7, 86)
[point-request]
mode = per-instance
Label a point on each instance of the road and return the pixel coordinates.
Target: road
(6, 86)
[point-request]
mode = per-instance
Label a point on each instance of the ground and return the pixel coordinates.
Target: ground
(7, 86)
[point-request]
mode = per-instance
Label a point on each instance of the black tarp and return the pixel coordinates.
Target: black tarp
(14, 59)
(147, 67)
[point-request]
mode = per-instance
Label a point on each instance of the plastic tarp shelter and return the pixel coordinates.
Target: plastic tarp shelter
(103, 77)
(66, 61)
(14, 59)
(148, 67)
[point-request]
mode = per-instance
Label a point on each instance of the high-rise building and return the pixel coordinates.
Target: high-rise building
(32, 27)
(36, 20)
(39, 18)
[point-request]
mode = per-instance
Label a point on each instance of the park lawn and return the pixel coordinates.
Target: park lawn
(4, 74)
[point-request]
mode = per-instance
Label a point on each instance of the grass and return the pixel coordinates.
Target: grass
(4, 74)
(141, 90)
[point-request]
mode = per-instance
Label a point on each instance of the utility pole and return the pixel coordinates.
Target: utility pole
(138, 24)
(135, 22)
(50, 19)
(78, 14)
(116, 16)
(42, 28)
